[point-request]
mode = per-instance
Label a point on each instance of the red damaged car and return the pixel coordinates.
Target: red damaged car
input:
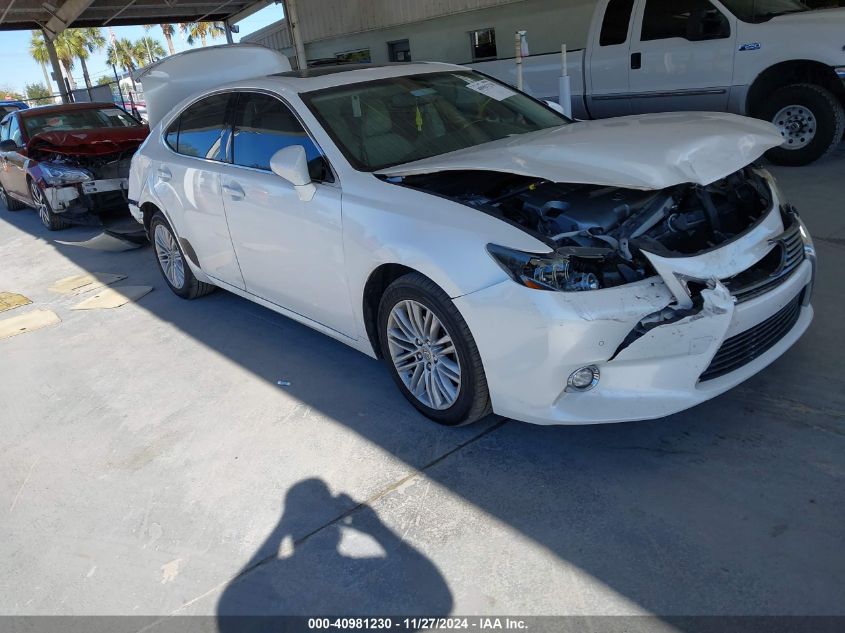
(67, 161)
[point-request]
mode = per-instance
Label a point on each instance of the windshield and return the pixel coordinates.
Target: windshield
(762, 10)
(382, 123)
(86, 119)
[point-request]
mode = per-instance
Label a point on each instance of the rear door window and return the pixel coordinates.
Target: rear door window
(203, 131)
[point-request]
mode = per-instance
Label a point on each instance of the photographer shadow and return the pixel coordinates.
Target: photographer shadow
(352, 566)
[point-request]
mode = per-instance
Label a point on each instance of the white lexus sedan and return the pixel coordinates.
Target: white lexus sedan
(499, 256)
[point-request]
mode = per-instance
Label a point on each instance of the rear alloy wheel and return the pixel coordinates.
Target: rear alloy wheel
(810, 119)
(9, 202)
(53, 221)
(171, 261)
(431, 353)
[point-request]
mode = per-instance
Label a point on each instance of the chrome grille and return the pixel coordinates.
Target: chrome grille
(743, 348)
(772, 270)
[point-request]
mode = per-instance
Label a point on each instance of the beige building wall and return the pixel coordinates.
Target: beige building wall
(549, 24)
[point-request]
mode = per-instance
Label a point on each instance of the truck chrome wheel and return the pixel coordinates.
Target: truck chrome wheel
(424, 355)
(797, 125)
(169, 256)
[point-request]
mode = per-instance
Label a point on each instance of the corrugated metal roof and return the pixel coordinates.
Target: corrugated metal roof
(32, 14)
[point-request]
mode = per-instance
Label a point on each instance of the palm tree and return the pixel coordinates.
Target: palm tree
(168, 31)
(69, 45)
(201, 30)
(147, 50)
(92, 41)
(122, 53)
(38, 52)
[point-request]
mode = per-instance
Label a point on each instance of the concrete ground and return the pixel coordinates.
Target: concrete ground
(150, 456)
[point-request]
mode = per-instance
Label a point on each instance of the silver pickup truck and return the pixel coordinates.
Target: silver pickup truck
(776, 60)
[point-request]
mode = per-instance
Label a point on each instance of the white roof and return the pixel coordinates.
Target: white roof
(342, 75)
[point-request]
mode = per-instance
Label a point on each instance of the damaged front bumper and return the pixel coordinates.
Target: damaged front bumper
(90, 196)
(531, 341)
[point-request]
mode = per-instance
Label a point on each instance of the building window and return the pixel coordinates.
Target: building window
(399, 51)
(359, 56)
(483, 44)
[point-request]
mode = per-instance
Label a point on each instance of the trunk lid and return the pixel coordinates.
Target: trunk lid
(167, 82)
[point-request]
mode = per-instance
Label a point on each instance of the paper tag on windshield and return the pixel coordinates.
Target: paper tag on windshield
(491, 89)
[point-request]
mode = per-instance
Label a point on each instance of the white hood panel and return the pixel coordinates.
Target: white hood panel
(651, 151)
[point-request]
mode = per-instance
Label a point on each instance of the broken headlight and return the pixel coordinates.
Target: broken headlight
(58, 175)
(547, 271)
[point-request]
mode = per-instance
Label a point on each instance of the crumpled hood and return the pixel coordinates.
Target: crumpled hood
(651, 151)
(93, 142)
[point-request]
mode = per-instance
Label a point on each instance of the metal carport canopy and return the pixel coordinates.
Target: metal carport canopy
(56, 15)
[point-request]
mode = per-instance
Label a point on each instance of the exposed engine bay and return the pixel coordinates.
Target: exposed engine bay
(599, 233)
(85, 171)
(91, 182)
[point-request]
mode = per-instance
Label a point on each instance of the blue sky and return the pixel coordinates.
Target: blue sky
(19, 69)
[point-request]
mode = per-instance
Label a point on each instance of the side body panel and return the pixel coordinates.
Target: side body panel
(190, 190)
(290, 251)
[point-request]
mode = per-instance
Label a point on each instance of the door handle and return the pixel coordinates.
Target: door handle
(233, 190)
(636, 61)
(164, 173)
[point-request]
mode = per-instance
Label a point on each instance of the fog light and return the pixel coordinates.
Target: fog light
(583, 379)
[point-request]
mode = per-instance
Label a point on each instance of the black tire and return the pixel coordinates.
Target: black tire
(9, 202)
(191, 288)
(52, 221)
(829, 122)
(473, 401)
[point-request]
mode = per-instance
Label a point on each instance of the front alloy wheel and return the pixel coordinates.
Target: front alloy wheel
(53, 221)
(431, 353)
(424, 355)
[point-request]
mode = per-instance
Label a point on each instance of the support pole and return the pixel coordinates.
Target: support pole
(564, 84)
(119, 91)
(296, 37)
(518, 56)
(57, 67)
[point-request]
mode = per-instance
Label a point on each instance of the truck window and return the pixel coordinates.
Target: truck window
(693, 20)
(617, 17)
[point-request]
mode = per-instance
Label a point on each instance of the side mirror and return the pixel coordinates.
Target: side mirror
(291, 163)
(8, 145)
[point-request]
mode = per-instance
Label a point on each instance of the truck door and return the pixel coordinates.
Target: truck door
(682, 56)
(607, 61)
